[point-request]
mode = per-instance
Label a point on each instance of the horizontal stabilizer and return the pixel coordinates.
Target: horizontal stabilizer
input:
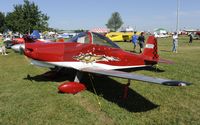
(133, 76)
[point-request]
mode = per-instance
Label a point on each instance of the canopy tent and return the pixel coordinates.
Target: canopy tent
(100, 30)
(160, 30)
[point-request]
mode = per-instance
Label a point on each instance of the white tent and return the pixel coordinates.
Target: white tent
(160, 31)
(99, 30)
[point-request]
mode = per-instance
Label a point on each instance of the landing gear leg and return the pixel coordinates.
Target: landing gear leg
(125, 95)
(78, 76)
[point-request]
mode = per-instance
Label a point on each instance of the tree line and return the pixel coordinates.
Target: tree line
(26, 17)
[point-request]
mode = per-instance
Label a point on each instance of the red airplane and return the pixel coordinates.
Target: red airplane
(18, 40)
(94, 53)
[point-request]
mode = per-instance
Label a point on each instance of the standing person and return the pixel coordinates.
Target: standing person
(2, 46)
(175, 42)
(141, 41)
(134, 41)
(190, 39)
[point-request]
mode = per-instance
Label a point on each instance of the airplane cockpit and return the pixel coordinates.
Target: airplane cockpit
(93, 38)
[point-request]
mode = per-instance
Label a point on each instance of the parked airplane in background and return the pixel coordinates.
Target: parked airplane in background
(121, 36)
(161, 35)
(20, 45)
(94, 53)
(195, 33)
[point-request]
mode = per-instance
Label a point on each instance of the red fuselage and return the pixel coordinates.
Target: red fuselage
(71, 54)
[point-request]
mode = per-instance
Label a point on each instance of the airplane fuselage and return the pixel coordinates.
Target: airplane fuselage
(78, 55)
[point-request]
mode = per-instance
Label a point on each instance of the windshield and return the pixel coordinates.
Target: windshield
(96, 38)
(102, 40)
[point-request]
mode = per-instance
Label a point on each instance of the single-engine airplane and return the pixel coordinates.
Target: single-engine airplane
(94, 53)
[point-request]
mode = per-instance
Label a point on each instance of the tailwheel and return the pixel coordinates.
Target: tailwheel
(156, 67)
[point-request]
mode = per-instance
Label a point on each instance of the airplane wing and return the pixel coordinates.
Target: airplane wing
(133, 76)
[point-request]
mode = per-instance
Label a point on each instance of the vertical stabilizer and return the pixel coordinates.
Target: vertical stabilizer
(150, 52)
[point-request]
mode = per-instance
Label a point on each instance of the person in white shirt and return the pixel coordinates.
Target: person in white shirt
(175, 42)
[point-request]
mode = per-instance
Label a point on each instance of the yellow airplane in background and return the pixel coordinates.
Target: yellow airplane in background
(121, 36)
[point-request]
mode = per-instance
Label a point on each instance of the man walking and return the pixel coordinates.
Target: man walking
(175, 42)
(134, 41)
(141, 41)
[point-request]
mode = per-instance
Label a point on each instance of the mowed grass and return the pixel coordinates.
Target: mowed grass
(37, 101)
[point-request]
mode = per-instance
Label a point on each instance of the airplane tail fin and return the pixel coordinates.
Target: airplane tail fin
(150, 52)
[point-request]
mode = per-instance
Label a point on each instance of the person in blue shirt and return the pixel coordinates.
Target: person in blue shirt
(134, 41)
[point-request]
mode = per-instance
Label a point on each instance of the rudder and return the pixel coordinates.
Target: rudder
(150, 52)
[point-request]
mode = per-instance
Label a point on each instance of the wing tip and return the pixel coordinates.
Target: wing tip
(176, 83)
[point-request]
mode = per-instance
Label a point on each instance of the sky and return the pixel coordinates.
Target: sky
(139, 14)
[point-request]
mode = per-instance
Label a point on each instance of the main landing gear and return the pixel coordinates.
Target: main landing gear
(125, 94)
(76, 86)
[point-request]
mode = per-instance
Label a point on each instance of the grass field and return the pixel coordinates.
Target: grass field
(37, 101)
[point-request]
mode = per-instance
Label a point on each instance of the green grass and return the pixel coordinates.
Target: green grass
(37, 102)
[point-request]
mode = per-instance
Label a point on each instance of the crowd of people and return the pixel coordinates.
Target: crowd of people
(140, 40)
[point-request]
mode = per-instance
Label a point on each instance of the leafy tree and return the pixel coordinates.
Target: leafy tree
(2, 22)
(26, 17)
(115, 22)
